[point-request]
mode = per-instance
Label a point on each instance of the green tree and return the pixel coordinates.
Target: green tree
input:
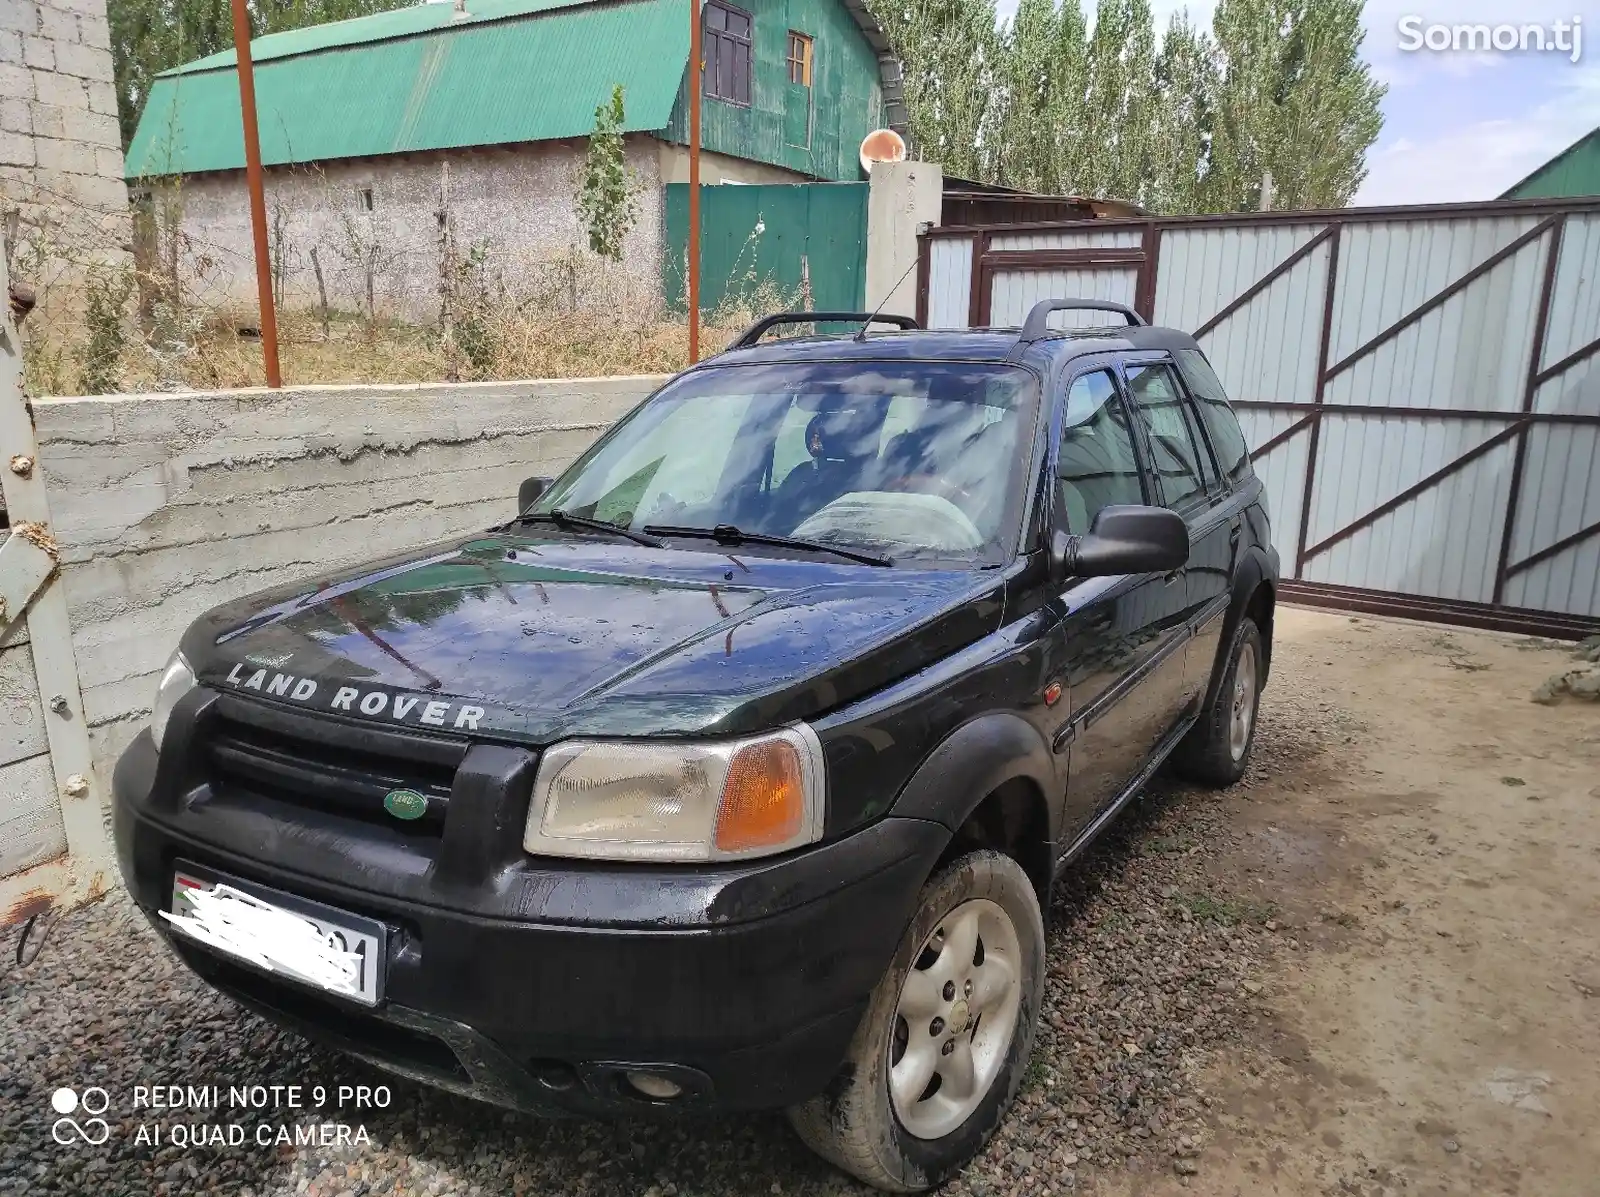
(1026, 150)
(605, 199)
(950, 54)
(1180, 134)
(1069, 74)
(1120, 101)
(1190, 123)
(151, 36)
(1294, 99)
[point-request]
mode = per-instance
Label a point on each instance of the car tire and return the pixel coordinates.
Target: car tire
(868, 1122)
(1217, 749)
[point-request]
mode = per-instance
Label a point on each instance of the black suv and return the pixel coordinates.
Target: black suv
(735, 772)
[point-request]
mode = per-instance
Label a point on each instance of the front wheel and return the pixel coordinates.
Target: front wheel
(946, 1037)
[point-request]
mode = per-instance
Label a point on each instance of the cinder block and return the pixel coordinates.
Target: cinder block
(49, 120)
(16, 149)
(62, 90)
(58, 24)
(10, 46)
(73, 157)
(94, 128)
(16, 116)
(16, 82)
(39, 53)
(103, 97)
(93, 30)
(87, 62)
(19, 17)
(108, 162)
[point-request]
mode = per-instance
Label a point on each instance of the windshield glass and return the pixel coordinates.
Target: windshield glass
(910, 459)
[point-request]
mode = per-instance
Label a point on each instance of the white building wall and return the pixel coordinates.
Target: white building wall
(517, 202)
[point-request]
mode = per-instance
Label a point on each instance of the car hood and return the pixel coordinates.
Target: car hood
(537, 639)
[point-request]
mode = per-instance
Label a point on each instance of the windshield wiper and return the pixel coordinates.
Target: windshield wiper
(727, 534)
(565, 519)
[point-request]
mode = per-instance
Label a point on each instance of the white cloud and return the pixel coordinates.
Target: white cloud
(1479, 161)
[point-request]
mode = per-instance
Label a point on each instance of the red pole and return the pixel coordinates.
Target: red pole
(695, 67)
(258, 203)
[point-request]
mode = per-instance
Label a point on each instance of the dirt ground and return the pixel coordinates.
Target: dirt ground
(1429, 1023)
(1370, 968)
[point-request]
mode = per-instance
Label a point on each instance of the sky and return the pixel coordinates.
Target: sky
(1460, 125)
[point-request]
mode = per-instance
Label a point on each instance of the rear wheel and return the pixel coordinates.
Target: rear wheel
(946, 1037)
(1217, 749)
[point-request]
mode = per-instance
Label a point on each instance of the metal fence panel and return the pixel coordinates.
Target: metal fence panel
(1121, 238)
(791, 236)
(1016, 291)
(1471, 351)
(1266, 349)
(1419, 385)
(949, 292)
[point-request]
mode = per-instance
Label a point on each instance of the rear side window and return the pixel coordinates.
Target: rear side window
(1233, 454)
(1096, 465)
(1178, 448)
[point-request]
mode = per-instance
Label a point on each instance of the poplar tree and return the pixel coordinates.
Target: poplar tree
(1026, 150)
(1186, 79)
(1294, 99)
(1189, 122)
(950, 63)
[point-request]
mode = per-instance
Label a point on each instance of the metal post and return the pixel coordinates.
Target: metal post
(258, 203)
(693, 265)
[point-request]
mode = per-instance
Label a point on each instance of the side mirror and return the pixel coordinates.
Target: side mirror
(530, 490)
(1123, 540)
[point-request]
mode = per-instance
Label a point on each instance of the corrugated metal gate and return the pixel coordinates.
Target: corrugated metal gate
(1418, 385)
(53, 850)
(807, 239)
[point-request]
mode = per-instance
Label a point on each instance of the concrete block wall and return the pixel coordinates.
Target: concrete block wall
(60, 145)
(166, 505)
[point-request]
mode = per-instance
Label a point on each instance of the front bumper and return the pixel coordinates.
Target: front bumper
(536, 983)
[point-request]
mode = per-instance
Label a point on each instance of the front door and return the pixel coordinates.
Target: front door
(1122, 638)
(1191, 486)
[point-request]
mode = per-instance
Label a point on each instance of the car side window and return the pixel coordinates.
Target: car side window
(1227, 438)
(1176, 442)
(1096, 463)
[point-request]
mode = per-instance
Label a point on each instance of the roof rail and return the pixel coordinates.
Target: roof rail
(1036, 325)
(754, 333)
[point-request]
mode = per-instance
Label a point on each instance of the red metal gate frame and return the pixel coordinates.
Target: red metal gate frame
(1549, 232)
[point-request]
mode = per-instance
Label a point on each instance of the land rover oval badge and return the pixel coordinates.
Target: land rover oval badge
(405, 804)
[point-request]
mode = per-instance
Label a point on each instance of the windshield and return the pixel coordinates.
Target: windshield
(909, 459)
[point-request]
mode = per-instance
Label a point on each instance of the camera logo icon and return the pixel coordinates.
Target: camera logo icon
(92, 1130)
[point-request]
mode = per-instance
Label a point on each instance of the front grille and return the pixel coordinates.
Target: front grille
(326, 765)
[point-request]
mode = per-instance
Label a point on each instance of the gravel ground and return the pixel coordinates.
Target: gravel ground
(1153, 968)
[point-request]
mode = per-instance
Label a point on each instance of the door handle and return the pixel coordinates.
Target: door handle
(1234, 532)
(1169, 579)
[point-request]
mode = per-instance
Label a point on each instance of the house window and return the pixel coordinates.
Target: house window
(727, 53)
(364, 198)
(799, 58)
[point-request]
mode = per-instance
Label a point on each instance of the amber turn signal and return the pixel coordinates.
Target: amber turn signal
(763, 800)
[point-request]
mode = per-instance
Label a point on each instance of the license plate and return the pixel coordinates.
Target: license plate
(363, 938)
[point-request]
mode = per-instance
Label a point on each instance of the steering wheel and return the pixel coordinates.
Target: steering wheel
(933, 484)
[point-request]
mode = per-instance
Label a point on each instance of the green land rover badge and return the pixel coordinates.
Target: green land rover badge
(405, 804)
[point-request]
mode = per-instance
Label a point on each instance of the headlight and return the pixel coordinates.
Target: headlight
(177, 681)
(683, 800)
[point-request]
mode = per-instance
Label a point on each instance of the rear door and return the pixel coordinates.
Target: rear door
(1192, 486)
(1121, 638)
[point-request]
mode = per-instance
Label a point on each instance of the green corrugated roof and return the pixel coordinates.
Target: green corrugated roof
(413, 79)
